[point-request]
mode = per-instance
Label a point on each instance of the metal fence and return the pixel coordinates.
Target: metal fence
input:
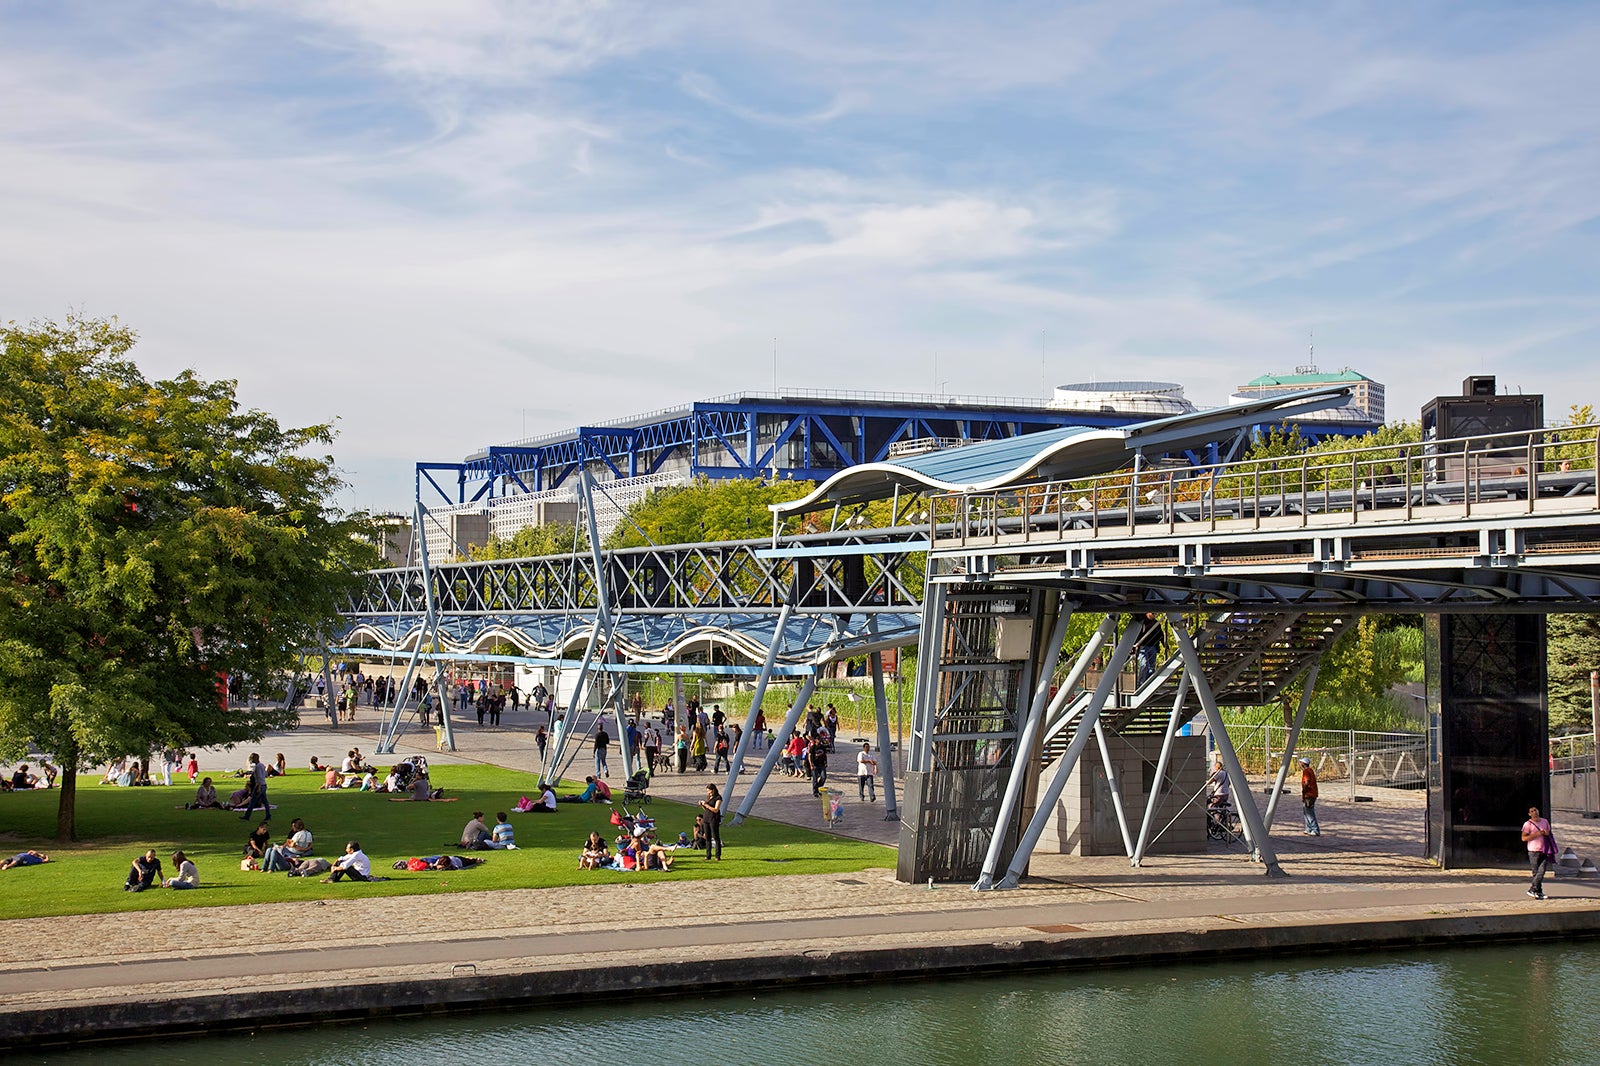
(1376, 760)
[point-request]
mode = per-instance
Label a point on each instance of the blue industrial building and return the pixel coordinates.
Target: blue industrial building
(798, 434)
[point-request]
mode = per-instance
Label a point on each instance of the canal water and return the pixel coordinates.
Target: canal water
(1497, 1005)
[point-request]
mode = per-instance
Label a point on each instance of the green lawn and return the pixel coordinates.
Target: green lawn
(116, 824)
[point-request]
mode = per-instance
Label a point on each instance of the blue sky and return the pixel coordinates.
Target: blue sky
(441, 222)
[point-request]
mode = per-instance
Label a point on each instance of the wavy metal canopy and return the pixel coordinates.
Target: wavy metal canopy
(1054, 455)
(806, 639)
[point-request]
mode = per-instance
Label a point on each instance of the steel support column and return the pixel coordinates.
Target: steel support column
(1069, 759)
(807, 687)
(755, 704)
(1289, 747)
(1161, 769)
(1115, 785)
(885, 753)
(1230, 759)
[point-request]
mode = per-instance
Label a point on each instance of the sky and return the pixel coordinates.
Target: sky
(446, 224)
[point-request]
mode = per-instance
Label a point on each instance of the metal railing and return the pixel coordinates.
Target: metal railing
(1355, 757)
(1436, 478)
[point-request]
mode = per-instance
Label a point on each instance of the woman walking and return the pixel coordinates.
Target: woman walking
(712, 806)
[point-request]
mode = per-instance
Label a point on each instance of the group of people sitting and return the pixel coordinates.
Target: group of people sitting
(294, 856)
(635, 850)
(23, 778)
(477, 836)
(145, 873)
(407, 775)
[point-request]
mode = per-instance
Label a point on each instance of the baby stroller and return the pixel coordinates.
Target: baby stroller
(409, 769)
(637, 789)
(635, 824)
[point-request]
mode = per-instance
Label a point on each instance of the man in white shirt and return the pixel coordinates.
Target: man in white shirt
(866, 773)
(354, 864)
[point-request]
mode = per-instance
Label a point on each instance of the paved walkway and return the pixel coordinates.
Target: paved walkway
(1365, 868)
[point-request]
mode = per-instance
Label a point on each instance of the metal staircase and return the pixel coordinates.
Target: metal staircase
(1248, 658)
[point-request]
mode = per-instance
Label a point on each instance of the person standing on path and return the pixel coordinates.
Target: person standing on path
(712, 806)
(540, 739)
(258, 790)
(866, 773)
(602, 742)
(817, 763)
(1541, 844)
(1308, 796)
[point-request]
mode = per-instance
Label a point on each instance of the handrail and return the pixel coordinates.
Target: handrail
(1459, 473)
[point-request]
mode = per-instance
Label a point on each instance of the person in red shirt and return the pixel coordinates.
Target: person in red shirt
(1308, 796)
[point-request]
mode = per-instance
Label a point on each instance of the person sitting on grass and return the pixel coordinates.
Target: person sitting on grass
(205, 797)
(237, 799)
(188, 876)
(144, 873)
(278, 767)
(353, 864)
(547, 799)
(475, 833)
(297, 845)
(259, 840)
(652, 856)
(586, 796)
(24, 858)
(392, 783)
(503, 837)
(594, 854)
(23, 779)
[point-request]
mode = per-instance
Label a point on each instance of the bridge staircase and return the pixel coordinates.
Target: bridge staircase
(1247, 658)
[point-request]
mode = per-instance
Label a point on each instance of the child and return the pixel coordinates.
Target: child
(193, 767)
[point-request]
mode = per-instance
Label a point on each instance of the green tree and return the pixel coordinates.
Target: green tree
(555, 538)
(1572, 651)
(154, 538)
(705, 510)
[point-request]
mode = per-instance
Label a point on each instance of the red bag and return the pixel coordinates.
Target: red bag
(616, 819)
(416, 864)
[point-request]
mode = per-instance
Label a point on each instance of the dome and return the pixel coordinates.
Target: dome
(1147, 398)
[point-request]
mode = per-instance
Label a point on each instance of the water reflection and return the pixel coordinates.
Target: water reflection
(1484, 1005)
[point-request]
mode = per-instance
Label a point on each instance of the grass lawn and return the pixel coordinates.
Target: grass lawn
(117, 824)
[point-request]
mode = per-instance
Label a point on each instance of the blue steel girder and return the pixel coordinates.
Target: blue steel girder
(425, 474)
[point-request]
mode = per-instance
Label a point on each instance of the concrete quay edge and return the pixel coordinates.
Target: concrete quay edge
(166, 1014)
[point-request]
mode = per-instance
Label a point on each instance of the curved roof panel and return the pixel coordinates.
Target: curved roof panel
(1054, 454)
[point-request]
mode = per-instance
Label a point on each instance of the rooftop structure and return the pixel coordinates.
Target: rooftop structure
(799, 434)
(1366, 396)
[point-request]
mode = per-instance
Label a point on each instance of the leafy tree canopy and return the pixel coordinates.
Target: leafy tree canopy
(153, 538)
(705, 510)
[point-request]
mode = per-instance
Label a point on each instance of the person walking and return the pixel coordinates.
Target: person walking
(1541, 844)
(1308, 796)
(257, 789)
(540, 739)
(866, 773)
(602, 743)
(712, 808)
(817, 763)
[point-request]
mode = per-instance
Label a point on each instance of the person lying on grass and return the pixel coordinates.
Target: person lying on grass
(24, 858)
(439, 862)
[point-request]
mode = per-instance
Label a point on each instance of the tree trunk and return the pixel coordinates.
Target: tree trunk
(67, 811)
